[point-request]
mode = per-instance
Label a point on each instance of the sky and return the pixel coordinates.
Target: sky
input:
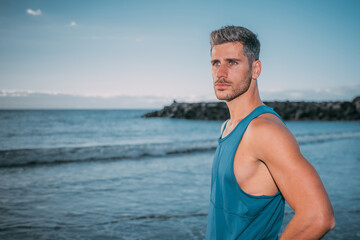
(134, 54)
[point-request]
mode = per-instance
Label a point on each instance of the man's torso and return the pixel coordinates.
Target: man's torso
(252, 174)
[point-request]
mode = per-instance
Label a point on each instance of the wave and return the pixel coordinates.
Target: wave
(27, 157)
(23, 157)
(166, 217)
(324, 137)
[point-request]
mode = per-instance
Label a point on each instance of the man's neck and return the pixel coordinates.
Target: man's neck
(241, 106)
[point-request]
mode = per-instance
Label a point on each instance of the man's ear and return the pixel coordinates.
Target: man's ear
(256, 69)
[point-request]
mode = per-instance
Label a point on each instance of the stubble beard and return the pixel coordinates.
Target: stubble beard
(244, 87)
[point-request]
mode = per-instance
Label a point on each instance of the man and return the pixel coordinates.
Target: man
(257, 163)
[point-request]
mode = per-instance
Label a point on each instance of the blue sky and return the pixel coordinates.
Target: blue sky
(160, 49)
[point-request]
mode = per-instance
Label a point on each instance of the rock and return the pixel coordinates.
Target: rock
(356, 102)
(328, 111)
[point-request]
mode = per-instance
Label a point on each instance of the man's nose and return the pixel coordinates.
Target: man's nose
(222, 72)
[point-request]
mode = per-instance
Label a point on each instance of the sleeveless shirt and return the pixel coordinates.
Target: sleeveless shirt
(234, 214)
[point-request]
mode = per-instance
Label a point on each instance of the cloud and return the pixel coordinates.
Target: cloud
(34, 13)
(73, 24)
(28, 99)
(19, 99)
(335, 93)
(23, 93)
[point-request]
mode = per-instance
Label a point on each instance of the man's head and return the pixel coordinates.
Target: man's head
(235, 61)
(251, 45)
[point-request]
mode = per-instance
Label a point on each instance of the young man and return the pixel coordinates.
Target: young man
(258, 164)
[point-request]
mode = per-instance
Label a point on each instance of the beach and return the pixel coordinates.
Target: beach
(110, 174)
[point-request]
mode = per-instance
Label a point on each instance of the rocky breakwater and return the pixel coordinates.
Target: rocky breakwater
(327, 111)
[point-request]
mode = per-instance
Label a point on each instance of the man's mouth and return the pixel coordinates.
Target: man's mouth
(222, 84)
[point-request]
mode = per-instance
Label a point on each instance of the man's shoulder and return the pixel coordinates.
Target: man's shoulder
(266, 129)
(267, 134)
(267, 123)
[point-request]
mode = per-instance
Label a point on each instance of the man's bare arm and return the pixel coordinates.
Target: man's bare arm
(297, 180)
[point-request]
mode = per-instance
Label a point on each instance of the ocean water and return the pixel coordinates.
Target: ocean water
(109, 174)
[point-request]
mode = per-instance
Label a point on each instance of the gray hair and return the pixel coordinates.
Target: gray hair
(238, 34)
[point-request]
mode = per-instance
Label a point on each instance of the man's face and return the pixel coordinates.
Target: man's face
(230, 70)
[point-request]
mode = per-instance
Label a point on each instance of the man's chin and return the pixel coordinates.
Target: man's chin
(222, 97)
(225, 97)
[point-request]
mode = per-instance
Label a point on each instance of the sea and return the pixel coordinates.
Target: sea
(110, 174)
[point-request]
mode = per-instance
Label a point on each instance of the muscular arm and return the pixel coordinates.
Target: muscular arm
(297, 180)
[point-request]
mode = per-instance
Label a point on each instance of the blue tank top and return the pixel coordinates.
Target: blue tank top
(234, 214)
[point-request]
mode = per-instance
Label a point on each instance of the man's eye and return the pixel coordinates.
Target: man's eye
(216, 64)
(233, 63)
